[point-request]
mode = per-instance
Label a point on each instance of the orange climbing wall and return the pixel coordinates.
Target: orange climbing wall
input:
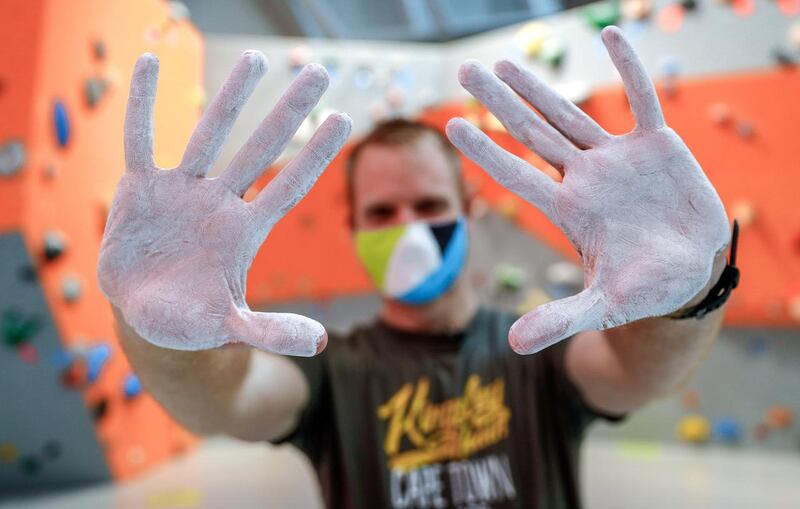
(763, 171)
(46, 55)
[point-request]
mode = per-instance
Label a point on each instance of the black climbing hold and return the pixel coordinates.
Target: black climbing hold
(16, 328)
(30, 465)
(52, 450)
(99, 50)
(100, 409)
(54, 245)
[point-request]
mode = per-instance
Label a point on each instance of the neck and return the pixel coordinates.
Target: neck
(449, 313)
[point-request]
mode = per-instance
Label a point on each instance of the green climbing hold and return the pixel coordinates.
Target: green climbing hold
(602, 14)
(17, 329)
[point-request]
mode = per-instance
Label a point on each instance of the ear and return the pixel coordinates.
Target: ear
(470, 198)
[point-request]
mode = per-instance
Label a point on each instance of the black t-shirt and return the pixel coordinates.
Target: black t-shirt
(406, 420)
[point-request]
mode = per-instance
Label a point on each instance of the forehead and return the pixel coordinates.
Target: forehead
(385, 172)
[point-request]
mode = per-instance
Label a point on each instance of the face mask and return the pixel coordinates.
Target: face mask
(414, 262)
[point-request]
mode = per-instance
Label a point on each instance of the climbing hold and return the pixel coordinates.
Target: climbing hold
(99, 50)
(364, 77)
(93, 90)
(689, 5)
(744, 212)
(761, 431)
(28, 353)
(779, 417)
(62, 359)
(299, 56)
(727, 430)
(178, 11)
(8, 453)
(793, 35)
(601, 14)
(784, 57)
(132, 386)
(74, 376)
(332, 65)
(531, 37)
(564, 273)
(636, 10)
(54, 245)
(745, 129)
(51, 450)
(71, 288)
(509, 277)
(756, 346)
(30, 465)
(690, 400)
(720, 113)
(533, 299)
(17, 329)
(789, 8)
(61, 123)
(670, 18)
(670, 66)
(12, 158)
(508, 207)
(27, 273)
(49, 171)
(694, 429)
(95, 360)
(553, 52)
(793, 307)
(100, 409)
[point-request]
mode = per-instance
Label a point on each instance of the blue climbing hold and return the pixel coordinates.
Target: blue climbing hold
(62, 359)
(132, 386)
(61, 120)
(727, 430)
(95, 361)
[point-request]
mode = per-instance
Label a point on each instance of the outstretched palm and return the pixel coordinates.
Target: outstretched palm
(178, 245)
(637, 207)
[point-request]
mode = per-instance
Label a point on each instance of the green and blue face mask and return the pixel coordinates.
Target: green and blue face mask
(414, 262)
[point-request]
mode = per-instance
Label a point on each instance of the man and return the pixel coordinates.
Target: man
(427, 406)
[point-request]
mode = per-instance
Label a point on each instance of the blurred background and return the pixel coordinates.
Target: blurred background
(76, 428)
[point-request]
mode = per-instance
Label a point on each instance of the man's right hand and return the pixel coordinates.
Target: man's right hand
(177, 245)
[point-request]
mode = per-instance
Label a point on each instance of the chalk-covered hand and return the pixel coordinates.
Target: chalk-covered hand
(638, 208)
(178, 245)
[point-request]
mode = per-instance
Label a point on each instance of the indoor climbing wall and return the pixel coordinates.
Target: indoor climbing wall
(71, 408)
(727, 76)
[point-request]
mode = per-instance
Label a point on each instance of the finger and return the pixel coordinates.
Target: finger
(280, 333)
(214, 127)
(519, 119)
(506, 168)
(638, 85)
(562, 114)
(139, 114)
(275, 131)
(557, 320)
(296, 179)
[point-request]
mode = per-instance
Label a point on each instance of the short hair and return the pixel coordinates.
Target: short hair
(402, 133)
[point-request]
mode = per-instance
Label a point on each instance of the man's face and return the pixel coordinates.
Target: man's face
(396, 185)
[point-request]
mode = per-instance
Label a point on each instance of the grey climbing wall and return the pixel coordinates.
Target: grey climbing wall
(47, 436)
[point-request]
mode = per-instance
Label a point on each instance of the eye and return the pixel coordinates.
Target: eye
(431, 206)
(380, 212)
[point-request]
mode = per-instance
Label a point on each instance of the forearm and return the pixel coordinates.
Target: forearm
(233, 390)
(625, 367)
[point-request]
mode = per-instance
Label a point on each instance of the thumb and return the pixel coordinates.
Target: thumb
(280, 333)
(550, 323)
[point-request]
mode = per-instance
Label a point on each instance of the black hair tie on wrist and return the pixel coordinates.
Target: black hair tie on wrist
(721, 291)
